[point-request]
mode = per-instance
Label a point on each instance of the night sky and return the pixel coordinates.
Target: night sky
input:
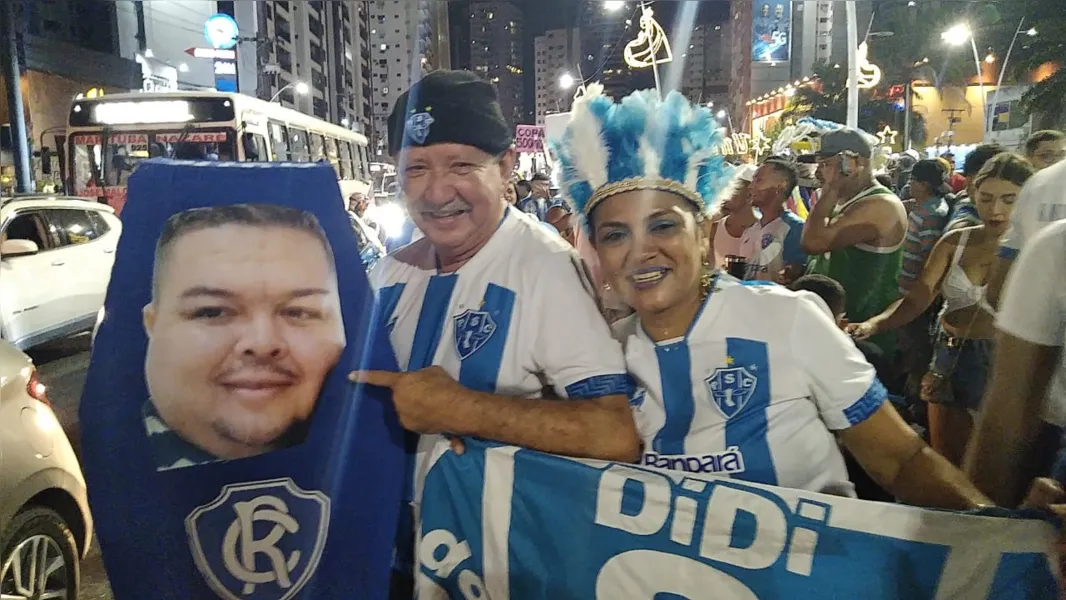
(542, 15)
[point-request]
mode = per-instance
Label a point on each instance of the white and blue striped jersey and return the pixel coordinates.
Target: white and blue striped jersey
(754, 390)
(518, 317)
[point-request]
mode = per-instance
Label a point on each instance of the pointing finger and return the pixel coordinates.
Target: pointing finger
(378, 378)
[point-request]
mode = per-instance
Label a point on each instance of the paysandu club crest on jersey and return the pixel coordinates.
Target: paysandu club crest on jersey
(731, 388)
(473, 328)
(260, 540)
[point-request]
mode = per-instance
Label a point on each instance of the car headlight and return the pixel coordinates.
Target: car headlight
(388, 216)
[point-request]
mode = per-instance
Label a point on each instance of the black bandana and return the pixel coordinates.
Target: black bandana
(455, 107)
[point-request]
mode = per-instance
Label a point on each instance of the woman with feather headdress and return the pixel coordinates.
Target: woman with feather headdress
(753, 381)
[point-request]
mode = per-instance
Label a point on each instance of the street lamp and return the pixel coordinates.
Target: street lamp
(613, 5)
(566, 81)
(958, 35)
(298, 86)
(1003, 70)
(721, 114)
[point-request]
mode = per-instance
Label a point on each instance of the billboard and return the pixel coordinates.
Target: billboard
(772, 31)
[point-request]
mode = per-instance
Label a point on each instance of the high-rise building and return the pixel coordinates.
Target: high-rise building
(347, 42)
(407, 39)
(158, 36)
(604, 35)
(304, 50)
(66, 47)
(496, 52)
(557, 53)
(705, 75)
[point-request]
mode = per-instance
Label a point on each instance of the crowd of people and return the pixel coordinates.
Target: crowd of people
(691, 319)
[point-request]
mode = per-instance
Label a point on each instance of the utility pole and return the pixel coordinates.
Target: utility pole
(23, 174)
(853, 65)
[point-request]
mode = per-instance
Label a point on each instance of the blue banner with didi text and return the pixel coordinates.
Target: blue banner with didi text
(504, 523)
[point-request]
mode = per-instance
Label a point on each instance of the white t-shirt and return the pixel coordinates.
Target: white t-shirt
(773, 246)
(753, 391)
(1042, 201)
(518, 316)
(1034, 305)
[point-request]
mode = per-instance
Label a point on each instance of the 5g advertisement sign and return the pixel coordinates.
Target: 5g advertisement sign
(772, 31)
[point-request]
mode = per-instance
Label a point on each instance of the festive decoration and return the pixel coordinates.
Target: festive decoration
(869, 73)
(644, 51)
(888, 136)
(640, 143)
(761, 144)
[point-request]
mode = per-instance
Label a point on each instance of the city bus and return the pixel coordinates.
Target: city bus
(107, 136)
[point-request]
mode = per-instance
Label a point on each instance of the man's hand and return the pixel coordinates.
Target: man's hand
(862, 331)
(427, 401)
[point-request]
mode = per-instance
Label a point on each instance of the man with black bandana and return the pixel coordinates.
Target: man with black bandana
(472, 309)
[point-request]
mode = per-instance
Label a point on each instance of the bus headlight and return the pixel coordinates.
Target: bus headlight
(388, 216)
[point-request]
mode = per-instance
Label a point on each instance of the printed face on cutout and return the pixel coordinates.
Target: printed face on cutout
(651, 248)
(244, 328)
(454, 193)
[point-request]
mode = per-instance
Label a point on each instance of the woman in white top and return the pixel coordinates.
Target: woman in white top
(957, 269)
(739, 215)
(745, 381)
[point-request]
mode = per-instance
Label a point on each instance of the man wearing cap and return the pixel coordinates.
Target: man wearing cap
(925, 223)
(472, 309)
(857, 227)
(928, 185)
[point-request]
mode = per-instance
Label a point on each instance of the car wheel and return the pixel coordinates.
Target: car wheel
(39, 558)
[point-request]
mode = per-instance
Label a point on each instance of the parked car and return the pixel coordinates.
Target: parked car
(45, 523)
(55, 261)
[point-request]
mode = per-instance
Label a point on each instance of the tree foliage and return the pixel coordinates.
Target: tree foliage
(829, 101)
(999, 24)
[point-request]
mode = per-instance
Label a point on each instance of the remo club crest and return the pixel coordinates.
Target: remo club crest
(259, 540)
(731, 388)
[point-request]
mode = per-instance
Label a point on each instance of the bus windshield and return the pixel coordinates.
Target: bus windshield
(104, 160)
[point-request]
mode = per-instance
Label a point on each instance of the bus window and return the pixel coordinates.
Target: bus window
(318, 153)
(280, 138)
(332, 156)
(346, 160)
(298, 145)
(255, 147)
(364, 163)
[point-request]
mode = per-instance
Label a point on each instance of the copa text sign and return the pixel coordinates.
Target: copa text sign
(529, 139)
(505, 523)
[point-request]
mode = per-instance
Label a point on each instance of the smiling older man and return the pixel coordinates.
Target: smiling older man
(473, 308)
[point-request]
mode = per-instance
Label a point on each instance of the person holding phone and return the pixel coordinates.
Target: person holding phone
(857, 229)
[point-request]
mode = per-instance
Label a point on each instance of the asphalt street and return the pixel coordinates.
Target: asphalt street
(61, 366)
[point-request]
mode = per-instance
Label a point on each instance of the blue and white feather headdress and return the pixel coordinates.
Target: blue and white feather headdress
(640, 143)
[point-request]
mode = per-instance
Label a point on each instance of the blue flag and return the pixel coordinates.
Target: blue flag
(499, 523)
(225, 451)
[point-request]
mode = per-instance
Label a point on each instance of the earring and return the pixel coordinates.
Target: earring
(706, 279)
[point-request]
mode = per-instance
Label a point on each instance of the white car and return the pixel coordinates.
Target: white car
(55, 262)
(45, 524)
